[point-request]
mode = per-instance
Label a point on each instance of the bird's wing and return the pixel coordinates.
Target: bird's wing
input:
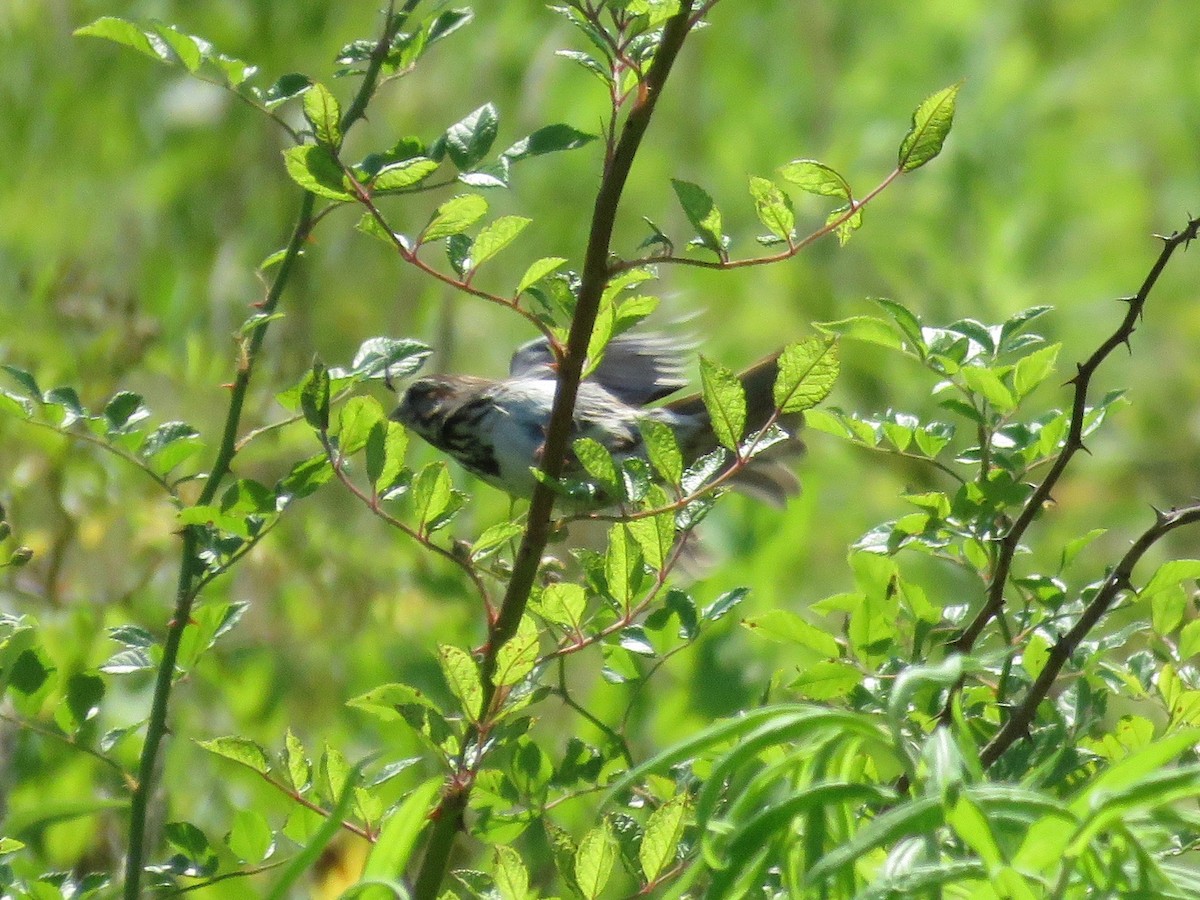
(636, 368)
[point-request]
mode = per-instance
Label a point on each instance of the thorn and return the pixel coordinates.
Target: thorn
(1165, 238)
(1132, 299)
(1160, 517)
(228, 385)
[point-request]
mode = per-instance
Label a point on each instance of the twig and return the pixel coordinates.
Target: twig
(1074, 442)
(1117, 582)
(186, 590)
(596, 273)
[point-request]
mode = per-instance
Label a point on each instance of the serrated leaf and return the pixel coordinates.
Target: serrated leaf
(814, 177)
(468, 140)
(564, 603)
(384, 357)
(598, 463)
(462, 675)
(123, 32)
(702, 212)
(867, 329)
(660, 840)
(594, 860)
(403, 174)
(512, 879)
(538, 270)
(725, 400)
(1032, 370)
(314, 169)
(987, 384)
(662, 448)
(431, 493)
(455, 216)
(240, 750)
(827, 680)
(623, 566)
(785, 626)
(807, 373)
(355, 421)
(516, 658)
(323, 113)
(930, 125)
(773, 207)
(299, 769)
(495, 236)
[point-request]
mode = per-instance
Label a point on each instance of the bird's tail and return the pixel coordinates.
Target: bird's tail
(766, 477)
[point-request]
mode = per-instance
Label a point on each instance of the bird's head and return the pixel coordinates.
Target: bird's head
(426, 404)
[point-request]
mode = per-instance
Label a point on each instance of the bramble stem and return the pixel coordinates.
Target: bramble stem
(447, 817)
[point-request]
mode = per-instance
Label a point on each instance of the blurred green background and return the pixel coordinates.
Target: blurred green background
(135, 205)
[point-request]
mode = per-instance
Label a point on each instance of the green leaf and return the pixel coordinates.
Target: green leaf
(867, 329)
(660, 841)
(123, 32)
(512, 879)
(386, 445)
(702, 212)
(538, 270)
(431, 493)
(987, 383)
(655, 535)
(594, 860)
(240, 750)
(549, 139)
(176, 47)
(807, 372)
(314, 169)
(462, 675)
(250, 836)
(846, 220)
(124, 410)
(314, 397)
(495, 236)
(323, 113)
(398, 837)
(930, 125)
(10, 845)
(403, 174)
(1033, 369)
(564, 603)
(285, 88)
(84, 693)
(598, 463)
(495, 537)
(815, 178)
(623, 566)
(355, 421)
(786, 626)
(725, 400)
(299, 769)
(455, 216)
(516, 658)
(827, 680)
(773, 207)
(468, 141)
(662, 448)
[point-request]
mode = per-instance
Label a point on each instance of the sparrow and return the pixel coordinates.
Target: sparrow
(496, 429)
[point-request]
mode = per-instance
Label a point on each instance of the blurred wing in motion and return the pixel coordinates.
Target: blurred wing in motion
(636, 369)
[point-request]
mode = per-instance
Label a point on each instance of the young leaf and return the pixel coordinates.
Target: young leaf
(662, 448)
(124, 32)
(594, 860)
(930, 125)
(516, 658)
(323, 113)
(403, 174)
(430, 492)
(773, 207)
(240, 750)
(598, 463)
(538, 270)
(702, 212)
(495, 237)
(815, 178)
(512, 878)
(564, 603)
(455, 216)
(462, 675)
(725, 400)
(314, 169)
(623, 566)
(807, 372)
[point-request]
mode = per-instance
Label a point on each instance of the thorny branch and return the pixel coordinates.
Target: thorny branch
(1011, 541)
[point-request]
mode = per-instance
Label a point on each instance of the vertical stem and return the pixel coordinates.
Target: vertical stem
(447, 817)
